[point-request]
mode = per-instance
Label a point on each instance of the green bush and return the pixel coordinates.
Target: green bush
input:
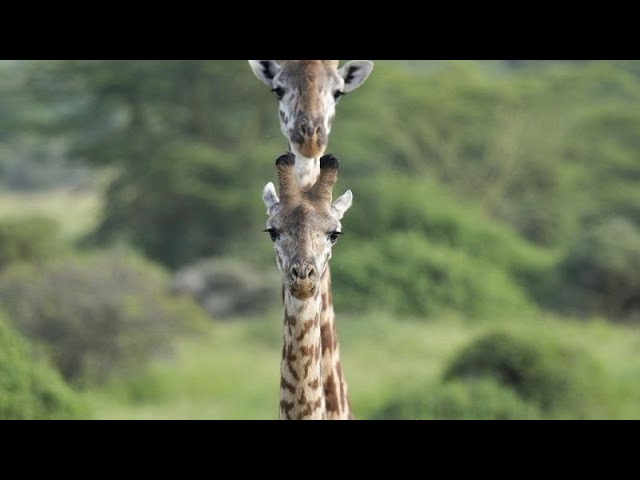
(226, 287)
(28, 240)
(405, 272)
(601, 271)
(555, 376)
(97, 313)
(187, 205)
(29, 387)
(395, 203)
(483, 399)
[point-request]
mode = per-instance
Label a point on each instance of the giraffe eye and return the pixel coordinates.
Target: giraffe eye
(274, 234)
(333, 236)
(337, 94)
(279, 91)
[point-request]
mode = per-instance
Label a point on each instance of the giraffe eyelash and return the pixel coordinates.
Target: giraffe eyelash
(274, 233)
(279, 91)
(333, 236)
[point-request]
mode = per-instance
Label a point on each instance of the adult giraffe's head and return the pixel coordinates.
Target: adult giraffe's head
(307, 92)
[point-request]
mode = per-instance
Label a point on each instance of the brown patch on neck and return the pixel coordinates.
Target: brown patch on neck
(306, 326)
(286, 407)
(293, 372)
(286, 385)
(291, 357)
(307, 365)
(310, 408)
(341, 383)
(290, 320)
(330, 398)
(307, 351)
(326, 336)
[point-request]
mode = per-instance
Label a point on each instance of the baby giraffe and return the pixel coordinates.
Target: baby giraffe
(303, 225)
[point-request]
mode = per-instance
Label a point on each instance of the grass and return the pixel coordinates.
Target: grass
(76, 210)
(232, 372)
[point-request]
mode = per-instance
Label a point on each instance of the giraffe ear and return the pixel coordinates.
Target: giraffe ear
(342, 204)
(355, 73)
(265, 70)
(270, 198)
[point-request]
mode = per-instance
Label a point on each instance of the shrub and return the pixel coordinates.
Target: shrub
(394, 203)
(29, 387)
(601, 271)
(407, 273)
(28, 240)
(187, 204)
(226, 287)
(555, 376)
(97, 313)
(477, 400)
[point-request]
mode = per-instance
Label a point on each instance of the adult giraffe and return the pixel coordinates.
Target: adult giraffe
(307, 93)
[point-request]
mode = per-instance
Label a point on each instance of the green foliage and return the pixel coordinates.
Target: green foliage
(409, 274)
(189, 204)
(555, 376)
(32, 239)
(180, 191)
(542, 153)
(524, 147)
(98, 313)
(600, 272)
(225, 287)
(29, 387)
(482, 399)
(406, 205)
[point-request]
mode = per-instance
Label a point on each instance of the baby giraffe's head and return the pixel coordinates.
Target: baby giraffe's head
(304, 225)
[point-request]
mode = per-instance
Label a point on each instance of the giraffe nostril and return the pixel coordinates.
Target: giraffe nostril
(311, 272)
(303, 271)
(318, 130)
(303, 129)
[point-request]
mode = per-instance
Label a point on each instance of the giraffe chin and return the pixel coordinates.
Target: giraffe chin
(311, 149)
(303, 291)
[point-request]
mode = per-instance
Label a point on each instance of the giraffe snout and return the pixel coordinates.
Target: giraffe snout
(309, 130)
(302, 271)
(310, 136)
(303, 280)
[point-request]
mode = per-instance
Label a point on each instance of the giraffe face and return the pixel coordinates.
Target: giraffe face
(304, 226)
(307, 93)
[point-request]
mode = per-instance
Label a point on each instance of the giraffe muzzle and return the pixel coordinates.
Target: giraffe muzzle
(302, 271)
(309, 137)
(303, 280)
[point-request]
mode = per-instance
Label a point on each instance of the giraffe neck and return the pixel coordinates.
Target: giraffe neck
(306, 170)
(301, 392)
(334, 384)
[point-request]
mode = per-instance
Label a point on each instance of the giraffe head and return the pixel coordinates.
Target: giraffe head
(304, 225)
(307, 92)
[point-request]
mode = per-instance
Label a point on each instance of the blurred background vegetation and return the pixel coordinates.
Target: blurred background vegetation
(490, 267)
